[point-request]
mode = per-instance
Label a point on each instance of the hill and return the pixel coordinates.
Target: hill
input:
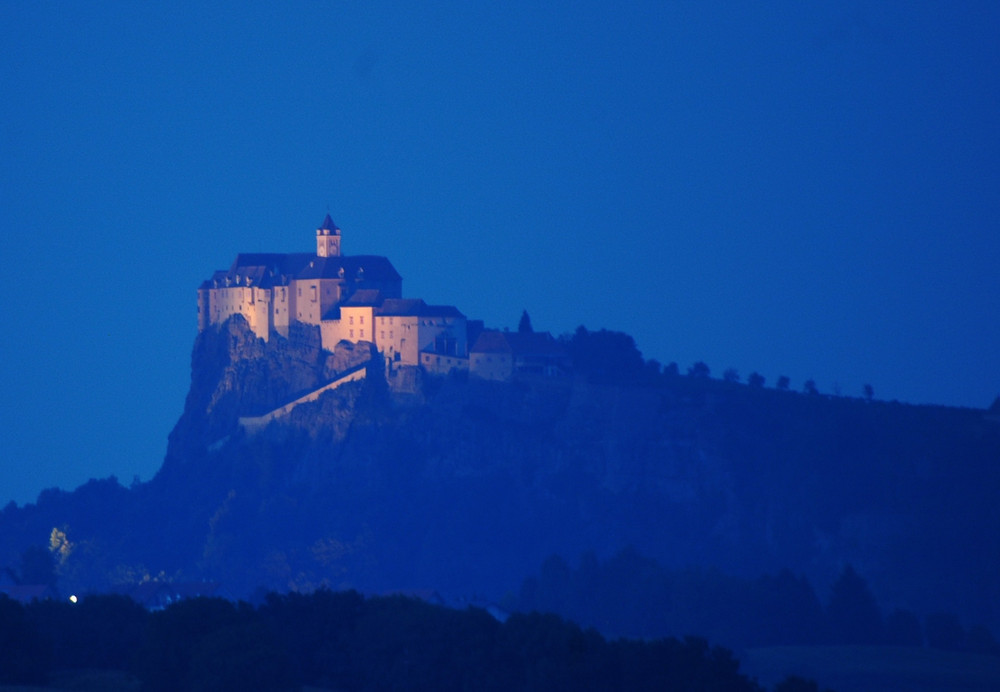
(467, 486)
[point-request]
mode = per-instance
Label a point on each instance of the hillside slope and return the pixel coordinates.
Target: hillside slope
(467, 486)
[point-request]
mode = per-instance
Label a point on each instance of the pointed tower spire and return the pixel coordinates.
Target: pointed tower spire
(328, 239)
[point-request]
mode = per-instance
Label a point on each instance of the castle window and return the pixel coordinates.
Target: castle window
(313, 293)
(382, 335)
(350, 320)
(362, 319)
(362, 333)
(351, 334)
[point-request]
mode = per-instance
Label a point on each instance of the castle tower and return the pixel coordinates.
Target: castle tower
(328, 239)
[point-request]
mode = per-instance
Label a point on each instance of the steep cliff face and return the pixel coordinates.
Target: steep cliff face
(234, 374)
(470, 485)
(466, 486)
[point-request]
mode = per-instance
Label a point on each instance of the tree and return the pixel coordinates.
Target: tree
(699, 369)
(809, 387)
(174, 635)
(755, 380)
(38, 566)
(853, 614)
(24, 656)
(784, 610)
(783, 383)
(524, 326)
(869, 392)
(794, 683)
(606, 356)
(731, 375)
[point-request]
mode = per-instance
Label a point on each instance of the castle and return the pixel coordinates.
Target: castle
(359, 298)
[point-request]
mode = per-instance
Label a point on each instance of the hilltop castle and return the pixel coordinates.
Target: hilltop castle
(359, 299)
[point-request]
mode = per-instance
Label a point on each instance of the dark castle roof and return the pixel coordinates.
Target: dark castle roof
(266, 270)
(518, 343)
(414, 307)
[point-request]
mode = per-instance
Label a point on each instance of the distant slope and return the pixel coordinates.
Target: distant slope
(887, 669)
(467, 486)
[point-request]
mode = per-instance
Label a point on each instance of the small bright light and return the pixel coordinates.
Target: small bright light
(72, 599)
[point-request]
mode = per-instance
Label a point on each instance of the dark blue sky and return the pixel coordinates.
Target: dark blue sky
(810, 191)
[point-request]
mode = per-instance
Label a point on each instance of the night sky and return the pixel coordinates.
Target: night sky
(800, 189)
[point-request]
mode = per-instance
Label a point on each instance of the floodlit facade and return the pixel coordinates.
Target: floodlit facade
(354, 298)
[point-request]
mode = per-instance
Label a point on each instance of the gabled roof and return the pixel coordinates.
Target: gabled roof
(364, 297)
(355, 267)
(273, 269)
(404, 307)
(441, 311)
(415, 307)
(518, 344)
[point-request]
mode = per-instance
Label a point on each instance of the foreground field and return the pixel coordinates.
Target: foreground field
(875, 669)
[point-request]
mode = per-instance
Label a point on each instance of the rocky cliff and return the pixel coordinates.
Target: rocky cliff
(466, 486)
(469, 485)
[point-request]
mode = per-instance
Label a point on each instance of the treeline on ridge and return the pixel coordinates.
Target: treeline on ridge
(343, 641)
(634, 596)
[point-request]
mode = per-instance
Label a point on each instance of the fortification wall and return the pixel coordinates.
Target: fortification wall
(255, 423)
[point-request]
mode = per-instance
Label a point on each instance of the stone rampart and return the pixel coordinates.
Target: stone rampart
(255, 423)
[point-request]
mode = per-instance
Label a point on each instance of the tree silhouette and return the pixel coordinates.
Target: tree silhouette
(783, 383)
(699, 369)
(852, 614)
(794, 683)
(755, 379)
(23, 654)
(38, 566)
(606, 355)
(524, 326)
